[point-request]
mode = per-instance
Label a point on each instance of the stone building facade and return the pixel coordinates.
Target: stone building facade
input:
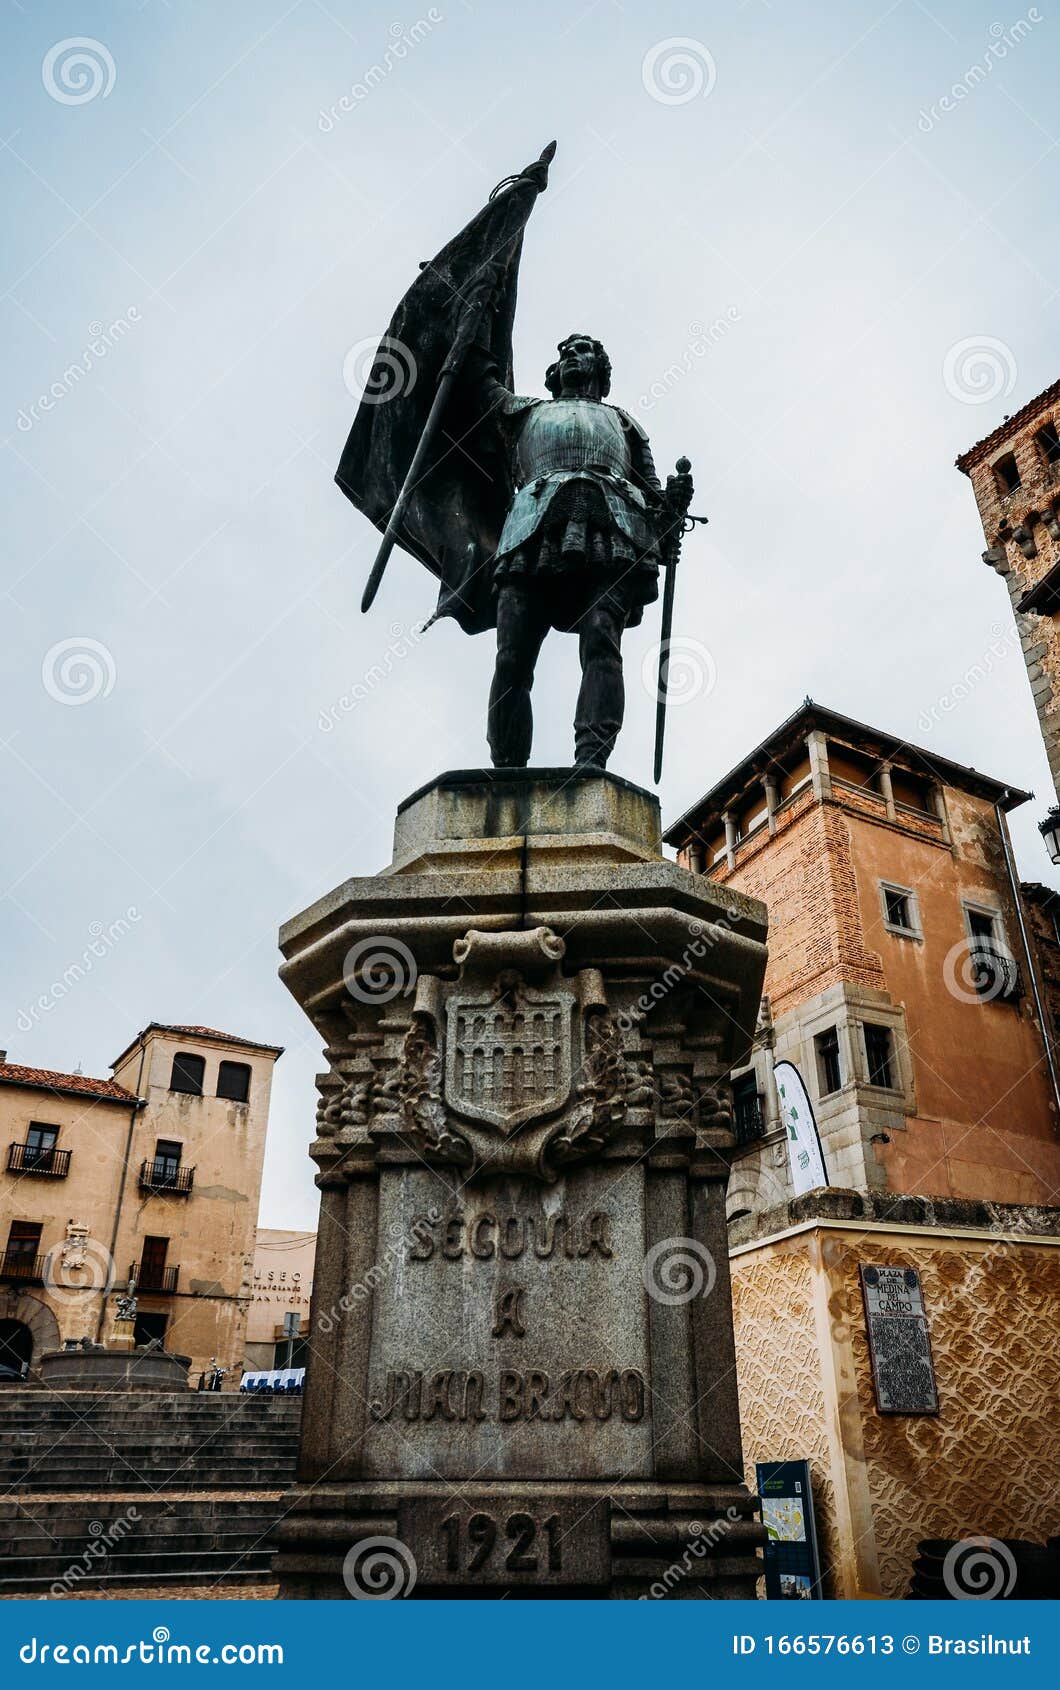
(154, 1174)
(283, 1284)
(1015, 475)
(908, 981)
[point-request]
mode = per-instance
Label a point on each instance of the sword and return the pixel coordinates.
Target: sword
(677, 523)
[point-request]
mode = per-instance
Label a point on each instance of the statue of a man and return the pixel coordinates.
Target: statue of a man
(578, 550)
(533, 513)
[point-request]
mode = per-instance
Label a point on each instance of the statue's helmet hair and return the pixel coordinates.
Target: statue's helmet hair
(603, 366)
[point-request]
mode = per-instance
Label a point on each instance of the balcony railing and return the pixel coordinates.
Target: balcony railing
(23, 1269)
(38, 1159)
(164, 1176)
(995, 972)
(161, 1280)
(748, 1122)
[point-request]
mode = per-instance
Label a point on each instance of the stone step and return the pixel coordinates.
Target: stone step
(274, 1477)
(191, 1540)
(198, 1567)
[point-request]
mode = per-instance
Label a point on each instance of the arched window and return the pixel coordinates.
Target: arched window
(233, 1081)
(188, 1073)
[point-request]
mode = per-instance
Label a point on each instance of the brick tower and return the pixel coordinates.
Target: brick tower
(1015, 473)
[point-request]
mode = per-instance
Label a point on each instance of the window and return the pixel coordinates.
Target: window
(747, 1109)
(1048, 441)
(23, 1242)
(982, 925)
(993, 968)
(299, 1353)
(40, 1142)
(188, 1073)
(878, 1055)
(900, 914)
(829, 1072)
(233, 1081)
(1007, 472)
(150, 1328)
(166, 1165)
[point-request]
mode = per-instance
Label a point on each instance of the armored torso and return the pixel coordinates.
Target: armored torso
(572, 434)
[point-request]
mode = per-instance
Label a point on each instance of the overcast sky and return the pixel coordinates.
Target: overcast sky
(820, 245)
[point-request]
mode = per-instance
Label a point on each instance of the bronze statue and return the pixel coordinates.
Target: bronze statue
(533, 513)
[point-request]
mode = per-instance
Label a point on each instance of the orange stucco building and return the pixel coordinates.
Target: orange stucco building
(909, 979)
(899, 980)
(154, 1176)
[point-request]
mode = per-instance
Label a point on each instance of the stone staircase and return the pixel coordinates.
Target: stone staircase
(140, 1488)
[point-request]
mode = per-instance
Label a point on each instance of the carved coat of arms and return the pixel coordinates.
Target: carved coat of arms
(513, 1066)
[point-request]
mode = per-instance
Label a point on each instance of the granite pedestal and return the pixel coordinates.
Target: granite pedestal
(521, 1374)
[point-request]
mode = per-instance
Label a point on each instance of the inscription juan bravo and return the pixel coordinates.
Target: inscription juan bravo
(489, 1236)
(582, 1393)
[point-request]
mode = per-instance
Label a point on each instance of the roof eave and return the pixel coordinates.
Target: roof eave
(945, 770)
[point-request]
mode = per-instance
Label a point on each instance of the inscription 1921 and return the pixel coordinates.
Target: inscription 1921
(582, 1393)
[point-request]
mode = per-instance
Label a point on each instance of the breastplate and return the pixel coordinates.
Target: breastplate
(571, 434)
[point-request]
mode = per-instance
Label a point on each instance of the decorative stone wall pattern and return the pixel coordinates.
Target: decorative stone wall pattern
(988, 1464)
(783, 1412)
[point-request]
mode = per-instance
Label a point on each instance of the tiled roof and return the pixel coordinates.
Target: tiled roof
(1010, 426)
(47, 1079)
(192, 1032)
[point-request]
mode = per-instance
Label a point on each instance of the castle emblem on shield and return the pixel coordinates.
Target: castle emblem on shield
(508, 1052)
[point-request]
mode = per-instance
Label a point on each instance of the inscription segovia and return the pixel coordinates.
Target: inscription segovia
(487, 1236)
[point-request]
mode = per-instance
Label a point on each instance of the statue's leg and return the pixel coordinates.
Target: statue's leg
(602, 697)
(521, 628)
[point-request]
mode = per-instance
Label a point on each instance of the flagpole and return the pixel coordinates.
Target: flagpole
(397, 515)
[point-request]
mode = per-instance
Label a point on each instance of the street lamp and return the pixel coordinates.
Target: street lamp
(1049, 828)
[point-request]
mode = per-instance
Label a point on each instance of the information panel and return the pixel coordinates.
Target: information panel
(792, 1565)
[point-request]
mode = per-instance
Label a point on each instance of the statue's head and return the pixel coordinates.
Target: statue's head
(582, 370)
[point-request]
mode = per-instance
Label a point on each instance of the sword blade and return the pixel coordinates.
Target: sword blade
(664, 660)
